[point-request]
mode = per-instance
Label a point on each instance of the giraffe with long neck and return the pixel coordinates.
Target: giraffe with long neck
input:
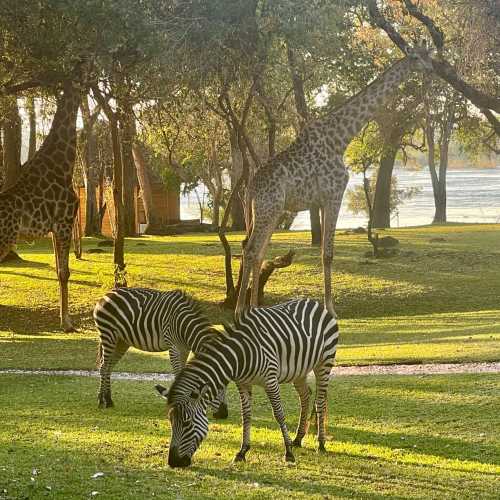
(311, 172)
(43, 199)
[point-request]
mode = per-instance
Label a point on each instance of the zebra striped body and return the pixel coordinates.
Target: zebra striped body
(269, 346)
(149, 320)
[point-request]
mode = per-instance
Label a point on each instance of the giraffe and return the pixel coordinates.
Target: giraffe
(43, 199)
(311, 172)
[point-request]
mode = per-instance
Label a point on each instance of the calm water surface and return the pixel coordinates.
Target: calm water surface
(473, 196)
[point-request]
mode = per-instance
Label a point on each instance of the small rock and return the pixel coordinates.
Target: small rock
(97, 475)
(94, 493)
(388, 242)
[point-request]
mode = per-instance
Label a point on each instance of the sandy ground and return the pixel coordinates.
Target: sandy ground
(339, 371)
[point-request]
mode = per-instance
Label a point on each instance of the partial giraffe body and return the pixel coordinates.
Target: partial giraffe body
(311, 172)
(153, 321)
(43, 199)
(269, 346)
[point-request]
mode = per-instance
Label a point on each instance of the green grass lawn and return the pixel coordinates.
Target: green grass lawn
(436, 302)
(390, 437)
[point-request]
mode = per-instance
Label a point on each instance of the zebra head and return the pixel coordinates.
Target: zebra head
(187, 411)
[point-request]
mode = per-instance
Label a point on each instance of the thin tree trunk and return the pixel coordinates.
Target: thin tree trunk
(129, 172)
(32, 123)
(303, 112)
(11, 143)
(153, 221)
(237, 210)
(119, 219)
(92, 219)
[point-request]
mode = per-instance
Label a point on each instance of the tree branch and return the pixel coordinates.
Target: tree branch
(436, 33)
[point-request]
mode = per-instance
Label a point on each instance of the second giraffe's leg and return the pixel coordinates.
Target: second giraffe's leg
(111, 352)
(328, 223)
(246, 420)
(305, 395)
(321, 404)
(273, 393)
(61, 252)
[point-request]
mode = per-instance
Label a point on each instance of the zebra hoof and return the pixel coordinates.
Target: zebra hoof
(289, 458)
(321, 448)
(222, 412)
(297, 443)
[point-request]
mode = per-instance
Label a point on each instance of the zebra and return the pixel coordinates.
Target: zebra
(268, 346)
(150, 320)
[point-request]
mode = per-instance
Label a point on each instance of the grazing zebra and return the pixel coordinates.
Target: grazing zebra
(149, 320)
(269, 346)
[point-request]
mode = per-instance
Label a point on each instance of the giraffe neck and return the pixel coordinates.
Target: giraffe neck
(348, 119)
(60, 143)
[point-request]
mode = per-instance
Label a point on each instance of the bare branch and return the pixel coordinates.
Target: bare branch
(436, 33)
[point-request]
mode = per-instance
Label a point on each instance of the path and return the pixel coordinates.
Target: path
(424, 369)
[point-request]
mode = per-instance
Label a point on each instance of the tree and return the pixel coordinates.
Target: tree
(444, 107)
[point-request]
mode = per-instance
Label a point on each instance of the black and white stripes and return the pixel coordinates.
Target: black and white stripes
(268, 346)
(149, 320)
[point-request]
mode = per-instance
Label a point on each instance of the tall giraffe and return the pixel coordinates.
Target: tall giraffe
(43, 199)
(311, 172)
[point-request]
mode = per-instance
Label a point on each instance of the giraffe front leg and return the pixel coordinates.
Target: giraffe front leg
(273, 393)
(328, 223)
(246, 420)
(61, 250)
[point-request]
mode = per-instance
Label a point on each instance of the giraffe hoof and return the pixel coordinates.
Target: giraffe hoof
(289, 457)
(68, 327)
(321, 448)
(239, 457)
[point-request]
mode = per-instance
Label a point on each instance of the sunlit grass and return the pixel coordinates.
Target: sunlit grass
(397, 437)
(437, 301)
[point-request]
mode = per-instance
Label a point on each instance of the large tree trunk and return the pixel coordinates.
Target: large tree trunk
(32, 123)
(382, 198)
(11, 143)
(153, 221)
(129, 172)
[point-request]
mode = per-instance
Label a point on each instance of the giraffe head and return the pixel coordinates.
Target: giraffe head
(419, 57)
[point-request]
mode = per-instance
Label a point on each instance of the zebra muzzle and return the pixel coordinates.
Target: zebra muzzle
(175, 460)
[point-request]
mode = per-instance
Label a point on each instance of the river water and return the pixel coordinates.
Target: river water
(473, 196)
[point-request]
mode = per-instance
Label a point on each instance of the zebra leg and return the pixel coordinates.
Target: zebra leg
(110, 355)
(222, 411)
(273, 393)
(321, 403)
(246, 419)
(304, 394)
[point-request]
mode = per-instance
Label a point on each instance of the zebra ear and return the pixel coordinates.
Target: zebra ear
(163, 391)
(203, 391)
